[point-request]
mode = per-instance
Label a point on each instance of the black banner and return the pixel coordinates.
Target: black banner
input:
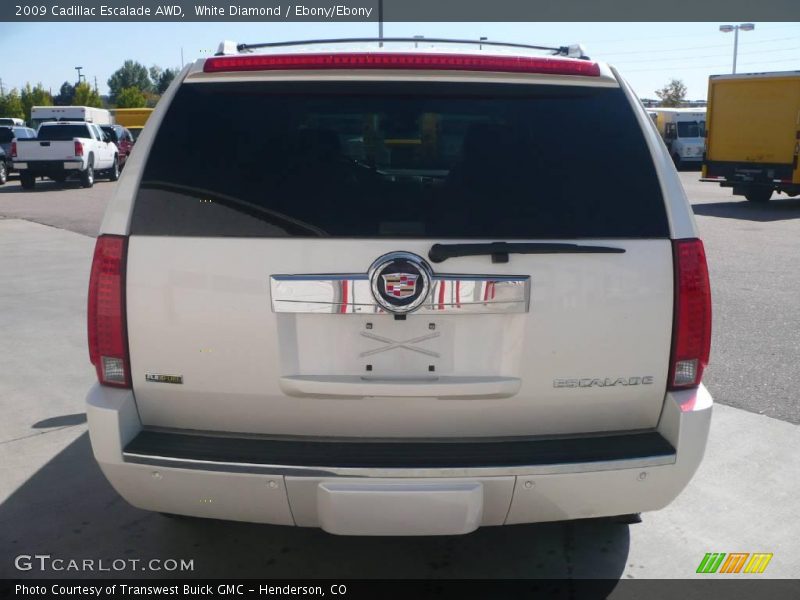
(398, 10)
(580, 589)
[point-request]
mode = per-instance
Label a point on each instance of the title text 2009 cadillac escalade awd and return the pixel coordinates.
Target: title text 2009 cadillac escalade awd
(416, 294)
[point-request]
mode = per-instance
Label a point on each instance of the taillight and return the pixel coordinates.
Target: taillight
(108, 335)
(691, 333)
(78, 148)
(13, 149)
(415, 61)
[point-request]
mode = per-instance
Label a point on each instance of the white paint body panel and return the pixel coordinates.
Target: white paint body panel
(400, 507)
(200, 308)
(522, 498)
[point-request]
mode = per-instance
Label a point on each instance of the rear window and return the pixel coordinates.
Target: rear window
(63, 132)
(395, 160)
(6, 135)
(111, 132)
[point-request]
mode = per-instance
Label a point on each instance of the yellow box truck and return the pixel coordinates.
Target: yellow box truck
(753, 134)
(132, 118)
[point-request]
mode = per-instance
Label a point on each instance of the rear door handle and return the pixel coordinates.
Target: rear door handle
(433, 387)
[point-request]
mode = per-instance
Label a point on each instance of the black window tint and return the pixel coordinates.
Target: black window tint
(690, 129)
(110, 132)
(63, 132)
(6, 135)
(400, 160)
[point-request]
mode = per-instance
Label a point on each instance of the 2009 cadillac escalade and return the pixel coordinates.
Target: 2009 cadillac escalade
(399, 291)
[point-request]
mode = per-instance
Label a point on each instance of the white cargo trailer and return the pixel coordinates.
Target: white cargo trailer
(98, 116)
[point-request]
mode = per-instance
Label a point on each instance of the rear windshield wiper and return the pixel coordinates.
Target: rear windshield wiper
(500, 250)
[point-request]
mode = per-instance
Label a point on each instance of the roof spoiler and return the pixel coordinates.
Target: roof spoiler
(228, 47)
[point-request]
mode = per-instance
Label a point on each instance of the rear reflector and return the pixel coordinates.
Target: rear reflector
(384, 60)
(107, 331)
(691, 334)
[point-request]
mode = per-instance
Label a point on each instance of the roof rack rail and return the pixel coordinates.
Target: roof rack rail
(571, 51)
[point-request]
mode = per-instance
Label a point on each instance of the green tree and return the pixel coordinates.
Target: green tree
(131, 97)
(11, 105)
(161, 78)
(151, 99)
(155, 73)
(86, 96)
(65, 94)
(673, 94)
(34, 96)
(164, 79)
(131, 74)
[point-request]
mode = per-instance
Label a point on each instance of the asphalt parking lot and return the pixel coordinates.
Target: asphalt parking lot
(54, 500)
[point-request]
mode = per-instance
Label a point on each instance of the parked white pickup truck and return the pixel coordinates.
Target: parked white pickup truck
(64, 149)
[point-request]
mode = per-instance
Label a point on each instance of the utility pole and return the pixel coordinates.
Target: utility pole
(2, 91)
(380, 23)
(181, 57)
(78, 69)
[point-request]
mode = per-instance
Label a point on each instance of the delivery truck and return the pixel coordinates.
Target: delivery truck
(753, 135)
(88, 114)
(133, 119)
(682, 130)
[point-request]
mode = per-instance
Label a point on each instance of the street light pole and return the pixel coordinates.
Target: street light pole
(735, 29)
(380, 23)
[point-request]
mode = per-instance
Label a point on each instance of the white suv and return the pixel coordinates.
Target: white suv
(389, 290)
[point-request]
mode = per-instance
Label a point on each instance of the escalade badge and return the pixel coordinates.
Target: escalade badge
(158, 378)
(400, 281)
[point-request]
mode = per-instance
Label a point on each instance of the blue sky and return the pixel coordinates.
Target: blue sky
(647, 54)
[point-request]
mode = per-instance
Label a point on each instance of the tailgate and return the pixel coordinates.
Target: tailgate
(33, 150)
(590, 353)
